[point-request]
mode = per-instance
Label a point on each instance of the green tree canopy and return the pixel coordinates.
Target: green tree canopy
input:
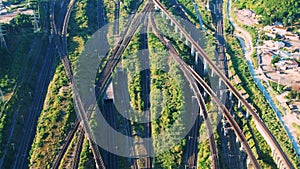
(284, 11)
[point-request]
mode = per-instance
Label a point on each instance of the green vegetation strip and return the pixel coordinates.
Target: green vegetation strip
(184, 51)
(165, 89)
(271, 11)
(86, 156)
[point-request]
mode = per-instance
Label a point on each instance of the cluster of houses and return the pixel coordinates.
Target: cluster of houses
(286, 61)
(278, 29)
(287, 64)
(288, 49)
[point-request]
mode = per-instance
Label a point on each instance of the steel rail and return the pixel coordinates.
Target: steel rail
(259, 122)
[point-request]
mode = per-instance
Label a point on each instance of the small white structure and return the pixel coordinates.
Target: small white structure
(287, 64)
(273, 45)
(280, 30)
(279, 45)
(271, 35)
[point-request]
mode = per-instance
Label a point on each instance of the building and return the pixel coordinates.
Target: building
(273, 45)
(292, 37)
(279, 45)
(287, 64)
(271, 35)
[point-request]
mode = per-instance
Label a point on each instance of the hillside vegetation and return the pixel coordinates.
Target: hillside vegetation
(285, 11)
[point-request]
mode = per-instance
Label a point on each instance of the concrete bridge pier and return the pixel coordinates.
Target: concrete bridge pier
(230, 95)
(176, 29)
(196, 58)
(239, 104)
(205, 66)
(186, 42)
(201, 112)
(162, 14)
(220, 83)
(278, 160)
(248, 161)
(193, 50)
(204, 94)
(223, 116)
(247, 115)
(242, 147)
(237, 139)
(221, 94)
(172, 24)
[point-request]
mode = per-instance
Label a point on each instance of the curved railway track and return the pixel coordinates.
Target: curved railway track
(260, 124)
(111, 64)
(119, 49)
(188, 71)
(66, 64)
(115, 57)
(212, 145)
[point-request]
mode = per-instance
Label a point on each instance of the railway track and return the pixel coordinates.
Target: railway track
(145, 79)
(228, 116)
(212, 144)
(192, 143)
(222, 59)
(78, 149)
(122, 85)
(28, 131)
(109, 115)
(29, 128)
(228, 140)
(106, 74)
(119, 49)
(188, 71)
(260, 124)
(66, 64)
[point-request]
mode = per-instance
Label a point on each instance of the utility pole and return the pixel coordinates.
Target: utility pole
(2, 40)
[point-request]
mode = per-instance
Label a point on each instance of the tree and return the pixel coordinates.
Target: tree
(275, 60)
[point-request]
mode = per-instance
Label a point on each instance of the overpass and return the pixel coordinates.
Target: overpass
(278, 154)
(191, 74)
(86, 110)
(200, 100)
